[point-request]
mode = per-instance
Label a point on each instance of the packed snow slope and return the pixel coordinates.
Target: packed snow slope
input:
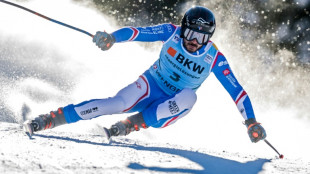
(44, 66)
(67, 152)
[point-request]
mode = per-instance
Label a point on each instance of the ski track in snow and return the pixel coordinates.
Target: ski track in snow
(54, 151)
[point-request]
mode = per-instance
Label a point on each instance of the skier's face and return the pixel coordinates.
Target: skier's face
(191, 46)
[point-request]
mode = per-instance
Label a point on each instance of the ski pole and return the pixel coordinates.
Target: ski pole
(280, 155)
(47, 18)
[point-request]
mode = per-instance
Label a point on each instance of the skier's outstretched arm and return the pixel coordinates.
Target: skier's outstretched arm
(161, 32)
(224, 74)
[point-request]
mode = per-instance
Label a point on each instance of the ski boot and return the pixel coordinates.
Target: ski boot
(43, 122)
(123, 128)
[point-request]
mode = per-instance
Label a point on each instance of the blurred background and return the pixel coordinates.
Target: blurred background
(267, 42)
(283, 24)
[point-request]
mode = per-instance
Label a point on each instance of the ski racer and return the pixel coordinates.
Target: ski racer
(166, 91)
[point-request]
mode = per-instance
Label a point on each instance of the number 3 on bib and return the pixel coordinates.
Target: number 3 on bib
(175, 77)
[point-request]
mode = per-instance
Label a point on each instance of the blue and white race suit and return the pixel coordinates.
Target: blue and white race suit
(167, 90)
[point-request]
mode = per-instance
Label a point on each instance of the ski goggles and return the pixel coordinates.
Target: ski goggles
(200, 37)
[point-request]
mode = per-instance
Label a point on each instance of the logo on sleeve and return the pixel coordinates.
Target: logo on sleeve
(230, 78)
(222, 63)
(226, 72)
(173, 107)
(169, 29)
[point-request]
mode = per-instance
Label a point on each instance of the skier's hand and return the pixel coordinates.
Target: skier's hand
(103, 40)
(255, 130)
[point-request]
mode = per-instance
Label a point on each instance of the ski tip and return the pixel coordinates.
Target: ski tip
(28, 128)
(29, 135)
(107, 133)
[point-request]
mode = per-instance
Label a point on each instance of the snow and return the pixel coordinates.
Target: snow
(56, 151)
(58, 66)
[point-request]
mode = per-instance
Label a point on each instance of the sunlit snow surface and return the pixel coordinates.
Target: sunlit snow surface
(45, 66)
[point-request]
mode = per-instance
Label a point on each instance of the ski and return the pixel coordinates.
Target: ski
(28, 128)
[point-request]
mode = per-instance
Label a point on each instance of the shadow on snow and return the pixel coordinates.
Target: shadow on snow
(210, 164)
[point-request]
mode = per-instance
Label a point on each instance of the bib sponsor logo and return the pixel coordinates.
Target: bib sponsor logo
(176, 38)
(171, 51)
(208, 59)
(191, 65)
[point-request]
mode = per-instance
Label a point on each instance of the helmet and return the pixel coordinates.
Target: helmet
(198, 23)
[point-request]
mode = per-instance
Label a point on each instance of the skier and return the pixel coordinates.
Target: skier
(166, 91)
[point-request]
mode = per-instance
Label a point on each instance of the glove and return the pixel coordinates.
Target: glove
(103, 40)
(255, 130)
